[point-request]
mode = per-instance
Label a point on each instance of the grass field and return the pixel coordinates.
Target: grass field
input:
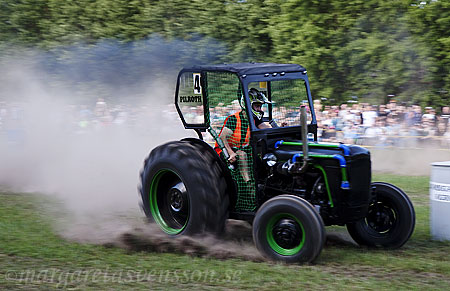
(33, 256)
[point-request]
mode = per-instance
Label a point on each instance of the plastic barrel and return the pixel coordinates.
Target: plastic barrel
(440, 201)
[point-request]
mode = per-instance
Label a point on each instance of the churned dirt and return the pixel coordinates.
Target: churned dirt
(236, 242)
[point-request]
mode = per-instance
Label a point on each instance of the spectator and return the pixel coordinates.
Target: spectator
(445, 117)
(429, 116)
(369, 116)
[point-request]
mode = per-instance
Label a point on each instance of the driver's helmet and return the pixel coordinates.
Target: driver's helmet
(257, 96)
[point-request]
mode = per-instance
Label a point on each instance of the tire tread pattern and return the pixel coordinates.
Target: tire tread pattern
(204, 181)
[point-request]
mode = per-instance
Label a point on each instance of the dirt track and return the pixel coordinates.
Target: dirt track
(236, 243)
(136, 235)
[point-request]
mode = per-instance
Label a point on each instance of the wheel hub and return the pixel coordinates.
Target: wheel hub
(169, 201)
(177, 196)
(287, 233)
(381, 218)
(176, 200)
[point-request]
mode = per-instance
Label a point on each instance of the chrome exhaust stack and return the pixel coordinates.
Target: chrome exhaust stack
(305, 149)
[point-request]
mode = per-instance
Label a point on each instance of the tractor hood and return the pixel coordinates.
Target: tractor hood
(284, 150)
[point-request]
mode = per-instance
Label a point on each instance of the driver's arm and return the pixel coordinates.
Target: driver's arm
(264, 125)
(226, 133)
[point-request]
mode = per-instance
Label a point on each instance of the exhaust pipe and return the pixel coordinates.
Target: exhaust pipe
(304, 125)
(293, 167)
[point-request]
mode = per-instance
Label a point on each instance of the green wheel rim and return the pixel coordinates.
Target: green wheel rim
(271, 239)
(154, 194)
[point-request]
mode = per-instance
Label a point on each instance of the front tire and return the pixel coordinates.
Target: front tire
(183, 190)
(389, 222)
(287, 228)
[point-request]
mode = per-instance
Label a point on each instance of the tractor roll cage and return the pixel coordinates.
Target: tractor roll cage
(247, 73)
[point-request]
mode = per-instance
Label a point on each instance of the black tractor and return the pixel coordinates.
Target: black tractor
(266, 166)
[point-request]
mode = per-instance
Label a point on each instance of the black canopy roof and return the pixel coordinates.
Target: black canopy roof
(251, 68)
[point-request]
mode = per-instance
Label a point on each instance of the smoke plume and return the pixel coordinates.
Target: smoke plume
(54, 141)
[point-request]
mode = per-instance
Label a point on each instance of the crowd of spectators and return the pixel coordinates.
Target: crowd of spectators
(384, 125)
(389, 124)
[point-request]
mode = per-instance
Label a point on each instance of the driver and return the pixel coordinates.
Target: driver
(257, 99)
(235, 133)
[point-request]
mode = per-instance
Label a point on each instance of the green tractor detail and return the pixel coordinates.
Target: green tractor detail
(284, 182)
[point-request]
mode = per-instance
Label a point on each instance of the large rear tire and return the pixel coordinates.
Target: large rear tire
(389, 222)
(287, 228)
(183, 190)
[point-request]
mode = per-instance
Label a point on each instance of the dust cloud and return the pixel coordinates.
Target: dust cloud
(90, 171)
(408, 162)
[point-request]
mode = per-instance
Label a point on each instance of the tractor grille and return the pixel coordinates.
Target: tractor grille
(356, 200)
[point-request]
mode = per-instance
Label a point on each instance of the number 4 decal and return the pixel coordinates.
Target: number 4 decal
(197, 86)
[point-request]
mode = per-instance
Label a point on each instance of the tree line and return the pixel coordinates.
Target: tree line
(366, 50)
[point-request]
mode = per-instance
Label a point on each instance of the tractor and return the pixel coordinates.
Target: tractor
(285, 183)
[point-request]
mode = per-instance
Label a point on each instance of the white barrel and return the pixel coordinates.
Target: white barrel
(440, 201)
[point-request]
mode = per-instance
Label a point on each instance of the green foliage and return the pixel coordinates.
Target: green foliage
(370, 49)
